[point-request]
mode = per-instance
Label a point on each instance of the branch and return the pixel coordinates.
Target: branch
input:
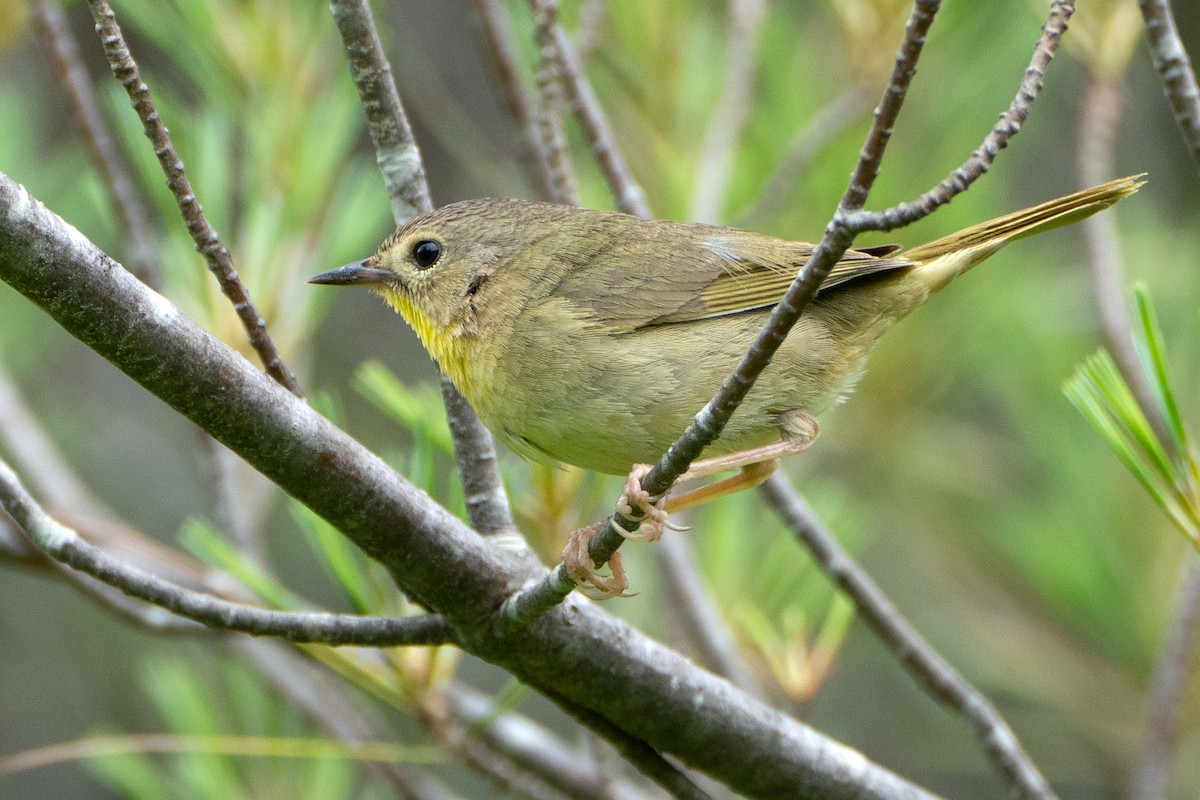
(1008, 126)
(552, 38)
(554, 155)
(915, 654)
(551, 165)
(1173, 65)
(404, 176)
(65, 545)
(208, 243)
(575, 651)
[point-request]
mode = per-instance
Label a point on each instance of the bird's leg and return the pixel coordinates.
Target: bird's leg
(798, 429)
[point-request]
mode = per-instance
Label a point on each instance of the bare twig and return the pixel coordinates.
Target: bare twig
(131, 212)
(404, 175)
(395, 149)
(931, 671)
(208, 243)
(552, 38)
(554, 156)
(65, 545)
(1172, 62)
(732, 109)
(499, 47)
(1007, 127)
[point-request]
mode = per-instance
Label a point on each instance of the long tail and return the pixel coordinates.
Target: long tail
(943, 260)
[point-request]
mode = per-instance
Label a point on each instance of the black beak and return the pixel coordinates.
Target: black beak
(354, 273)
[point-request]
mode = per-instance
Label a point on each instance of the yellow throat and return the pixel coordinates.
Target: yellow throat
(447, 349)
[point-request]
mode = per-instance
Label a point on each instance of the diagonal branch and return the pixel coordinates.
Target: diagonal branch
(208, 243)
(940, 680)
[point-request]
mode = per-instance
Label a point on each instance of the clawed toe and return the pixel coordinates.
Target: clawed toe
(579, 565)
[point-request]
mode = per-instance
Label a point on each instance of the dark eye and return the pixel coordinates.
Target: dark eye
(425, 253)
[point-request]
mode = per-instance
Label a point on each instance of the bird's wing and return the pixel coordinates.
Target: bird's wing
(656, 281)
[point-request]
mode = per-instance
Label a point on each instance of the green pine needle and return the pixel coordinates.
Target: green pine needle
(1167, 470)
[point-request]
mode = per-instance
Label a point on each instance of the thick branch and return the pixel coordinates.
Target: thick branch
(575, 651)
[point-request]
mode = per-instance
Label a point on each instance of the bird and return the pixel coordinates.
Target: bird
(593, 338)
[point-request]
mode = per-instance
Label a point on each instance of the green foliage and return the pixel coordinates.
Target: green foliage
(1167, 470)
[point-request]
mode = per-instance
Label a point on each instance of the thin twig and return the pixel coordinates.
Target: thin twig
(131, 212)
(395, 148)
(1008, 126)
(65, 545)
(729, 116)
(552, 37)
(554, 155)
(404, 176)
(1173, 65)
(497, 43)
(208, 243)
(931, 671)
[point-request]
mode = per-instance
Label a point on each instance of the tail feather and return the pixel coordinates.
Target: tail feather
(944, 259)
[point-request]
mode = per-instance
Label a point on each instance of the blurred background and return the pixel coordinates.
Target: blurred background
(958, 473)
